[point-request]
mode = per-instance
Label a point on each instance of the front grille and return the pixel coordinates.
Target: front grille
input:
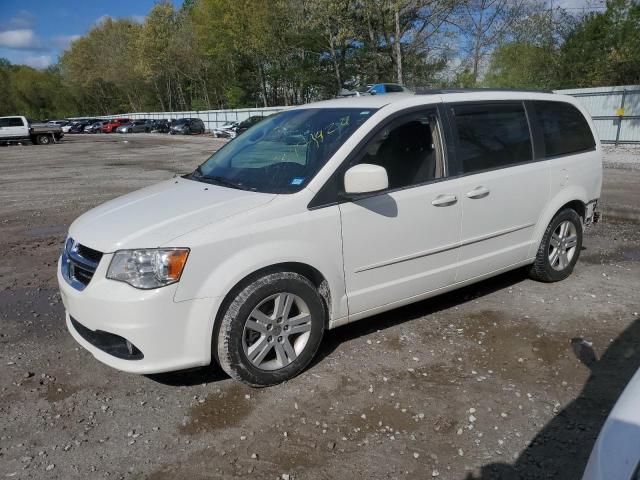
(110, 343)
(89, 253)
(79, 263)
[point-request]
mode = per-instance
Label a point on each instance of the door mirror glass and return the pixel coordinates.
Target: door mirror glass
(365, 178)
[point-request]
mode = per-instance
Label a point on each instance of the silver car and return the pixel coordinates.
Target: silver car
(135, 126)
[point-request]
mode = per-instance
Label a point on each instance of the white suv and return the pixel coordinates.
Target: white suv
(325, 214)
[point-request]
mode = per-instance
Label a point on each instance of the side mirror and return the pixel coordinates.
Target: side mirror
(365, 178)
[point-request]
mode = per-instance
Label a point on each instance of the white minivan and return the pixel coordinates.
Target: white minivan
(325, 214)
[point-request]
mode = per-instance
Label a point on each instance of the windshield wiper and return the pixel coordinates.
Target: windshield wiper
(223, 181)
(197, 172)
(216, 179)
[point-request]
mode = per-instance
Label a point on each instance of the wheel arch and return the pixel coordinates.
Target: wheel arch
(309, 272)
(574, 198)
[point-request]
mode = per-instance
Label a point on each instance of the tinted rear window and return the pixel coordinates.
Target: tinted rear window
(394, 88)
(492, 136)
(564, 128)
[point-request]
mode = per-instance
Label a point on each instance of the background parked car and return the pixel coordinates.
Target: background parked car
(375, 89)
(114, 123)
(160, 126)
(59, 123)
(381, 88)
(187, 126)
(79, 126)
(65, 125)
(226, 130)
(95, 127)
(245, 125)
(135, 126)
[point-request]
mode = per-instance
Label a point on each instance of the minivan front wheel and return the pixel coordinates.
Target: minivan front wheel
(271, 330)
(559, 249)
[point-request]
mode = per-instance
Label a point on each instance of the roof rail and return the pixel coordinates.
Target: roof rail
(438, 91)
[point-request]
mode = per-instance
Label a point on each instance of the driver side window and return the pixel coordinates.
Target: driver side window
(409, 149)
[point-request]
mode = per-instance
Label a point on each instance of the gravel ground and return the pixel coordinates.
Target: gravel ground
(622, 156)
(504, 379)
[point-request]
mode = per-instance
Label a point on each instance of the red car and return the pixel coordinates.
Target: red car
(113, 124)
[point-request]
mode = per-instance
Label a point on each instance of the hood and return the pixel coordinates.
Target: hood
(155, 215)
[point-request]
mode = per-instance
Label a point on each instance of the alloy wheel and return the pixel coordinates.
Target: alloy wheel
(277, 331)
(562, 245)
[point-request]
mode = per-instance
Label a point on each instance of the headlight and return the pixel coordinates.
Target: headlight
(148, 268)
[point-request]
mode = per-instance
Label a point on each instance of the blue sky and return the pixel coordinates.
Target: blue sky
(36, 32)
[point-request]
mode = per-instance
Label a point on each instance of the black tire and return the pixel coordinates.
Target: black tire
(43, 139)
(229, 345)
(542, 269)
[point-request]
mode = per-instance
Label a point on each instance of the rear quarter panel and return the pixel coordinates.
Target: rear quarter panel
(572, 177)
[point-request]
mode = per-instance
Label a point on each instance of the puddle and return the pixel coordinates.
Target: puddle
(438, 374)
(632, 254)
(58, 391)
(385, 413)
(47, 231)
(224, 410)
(502, 341)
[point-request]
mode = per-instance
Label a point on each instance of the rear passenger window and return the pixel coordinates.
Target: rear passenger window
(564, 128)
(492, 136)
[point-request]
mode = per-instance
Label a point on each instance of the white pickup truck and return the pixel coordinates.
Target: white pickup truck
(14, 129)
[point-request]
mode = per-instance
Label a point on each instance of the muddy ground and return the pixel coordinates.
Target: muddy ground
(505, 379)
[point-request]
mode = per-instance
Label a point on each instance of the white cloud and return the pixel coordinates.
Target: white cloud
(63, 41)
(103, 19)
(38, 61)
(138, 18)
(22, 39)
(22, 19)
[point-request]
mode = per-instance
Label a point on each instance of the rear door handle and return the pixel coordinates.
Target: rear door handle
(444, 200)
(478, 192)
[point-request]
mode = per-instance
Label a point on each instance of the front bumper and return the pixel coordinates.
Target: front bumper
(160, 334)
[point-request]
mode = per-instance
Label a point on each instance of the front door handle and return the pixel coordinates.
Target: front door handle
(444, 200)
(478, 192)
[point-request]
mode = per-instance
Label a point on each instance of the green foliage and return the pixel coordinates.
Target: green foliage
(601, 49)
(34, 93)
(523, 65)
(604, 49)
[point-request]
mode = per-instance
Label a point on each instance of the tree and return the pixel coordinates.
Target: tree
(604, 49)
(99, 68)
(484, 24)
(531, 58)
(7, 104)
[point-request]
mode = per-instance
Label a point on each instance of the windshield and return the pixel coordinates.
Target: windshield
(282, 153)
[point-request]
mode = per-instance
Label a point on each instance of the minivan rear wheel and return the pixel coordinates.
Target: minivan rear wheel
(559, 249)
(271, 330)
